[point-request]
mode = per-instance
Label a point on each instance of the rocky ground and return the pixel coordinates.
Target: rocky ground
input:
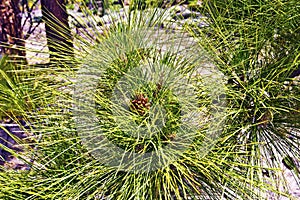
(11, 133)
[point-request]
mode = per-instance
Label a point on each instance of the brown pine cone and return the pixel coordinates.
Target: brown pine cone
(140, 104)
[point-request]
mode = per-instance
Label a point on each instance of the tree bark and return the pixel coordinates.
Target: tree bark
(58, 32)
(11, 36)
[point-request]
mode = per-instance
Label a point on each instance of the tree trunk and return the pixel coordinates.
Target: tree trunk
(11, 37)
(58, 32)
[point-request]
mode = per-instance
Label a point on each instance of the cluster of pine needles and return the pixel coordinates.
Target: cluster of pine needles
(126, 114)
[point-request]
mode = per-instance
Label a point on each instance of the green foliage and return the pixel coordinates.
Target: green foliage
(253, 43)
(15, 93)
